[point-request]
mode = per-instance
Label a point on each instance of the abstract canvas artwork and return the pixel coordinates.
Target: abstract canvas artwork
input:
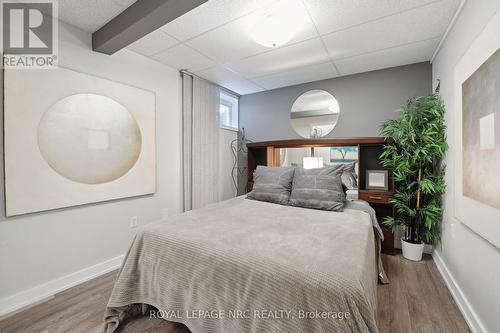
(481, 133)
(344, 154)
(475, 148)
(73, 139)
(89, 138)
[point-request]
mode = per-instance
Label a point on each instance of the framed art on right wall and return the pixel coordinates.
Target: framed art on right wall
(477, 135)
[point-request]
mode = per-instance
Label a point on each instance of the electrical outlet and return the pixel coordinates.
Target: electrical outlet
(133, 222)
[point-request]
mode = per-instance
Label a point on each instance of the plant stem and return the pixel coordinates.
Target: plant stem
(418, 222)
(418, 190)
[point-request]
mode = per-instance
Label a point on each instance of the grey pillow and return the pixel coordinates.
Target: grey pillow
(318, 188)
(349, 177)
(272, 184)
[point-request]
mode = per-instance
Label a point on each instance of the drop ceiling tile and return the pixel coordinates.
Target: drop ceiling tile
(333, 15)
(219, 74)
(282, 59)
(234, 40)
(296, 76)
(398, 56)
(423, 23)
(210, 15)
(243, 87)
(184, 57)
(90, 15)
(153, 43)
(229, 42)
(229, 80)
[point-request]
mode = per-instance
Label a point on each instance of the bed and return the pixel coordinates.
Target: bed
(249, 266)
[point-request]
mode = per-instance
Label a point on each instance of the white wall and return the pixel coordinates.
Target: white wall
(42, 252)
(471, 265)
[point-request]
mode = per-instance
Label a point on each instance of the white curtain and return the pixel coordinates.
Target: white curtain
(200, 103)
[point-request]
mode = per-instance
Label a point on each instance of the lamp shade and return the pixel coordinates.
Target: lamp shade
(312, 162)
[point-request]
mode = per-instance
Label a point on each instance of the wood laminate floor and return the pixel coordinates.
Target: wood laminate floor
(416, 300)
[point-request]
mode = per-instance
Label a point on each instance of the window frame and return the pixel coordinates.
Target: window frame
(230, 105)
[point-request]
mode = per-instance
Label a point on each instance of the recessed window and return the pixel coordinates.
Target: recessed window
(228, 111)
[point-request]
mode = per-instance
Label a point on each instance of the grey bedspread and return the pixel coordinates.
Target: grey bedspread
(249, 266)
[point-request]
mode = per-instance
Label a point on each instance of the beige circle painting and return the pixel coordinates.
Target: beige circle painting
(89, 138)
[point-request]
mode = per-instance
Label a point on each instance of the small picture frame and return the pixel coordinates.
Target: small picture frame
(377, 180)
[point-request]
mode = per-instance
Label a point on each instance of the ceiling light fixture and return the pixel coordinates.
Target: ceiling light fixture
(277, 26)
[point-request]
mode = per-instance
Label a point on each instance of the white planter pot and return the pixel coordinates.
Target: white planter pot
(412, 251)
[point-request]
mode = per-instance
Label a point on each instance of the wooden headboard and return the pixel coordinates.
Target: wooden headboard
(267, 153)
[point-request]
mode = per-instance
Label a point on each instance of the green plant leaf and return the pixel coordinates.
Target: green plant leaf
(419, 143)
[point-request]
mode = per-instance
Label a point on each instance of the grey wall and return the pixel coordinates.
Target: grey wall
(365, 100)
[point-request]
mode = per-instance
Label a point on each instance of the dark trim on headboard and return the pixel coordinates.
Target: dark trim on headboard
(297, 143)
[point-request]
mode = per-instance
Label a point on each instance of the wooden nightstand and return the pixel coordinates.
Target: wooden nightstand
(380, 203)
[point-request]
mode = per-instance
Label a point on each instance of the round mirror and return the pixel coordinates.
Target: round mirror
(314, 114)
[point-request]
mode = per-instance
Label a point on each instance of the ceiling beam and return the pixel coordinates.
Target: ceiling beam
(138, 20)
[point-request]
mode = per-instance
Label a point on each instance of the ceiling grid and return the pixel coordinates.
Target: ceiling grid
(334, 38)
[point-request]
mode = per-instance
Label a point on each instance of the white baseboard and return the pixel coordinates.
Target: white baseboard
(465, 307)
(23, 299)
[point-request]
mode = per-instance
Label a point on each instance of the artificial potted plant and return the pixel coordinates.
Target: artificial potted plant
(415, 158)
